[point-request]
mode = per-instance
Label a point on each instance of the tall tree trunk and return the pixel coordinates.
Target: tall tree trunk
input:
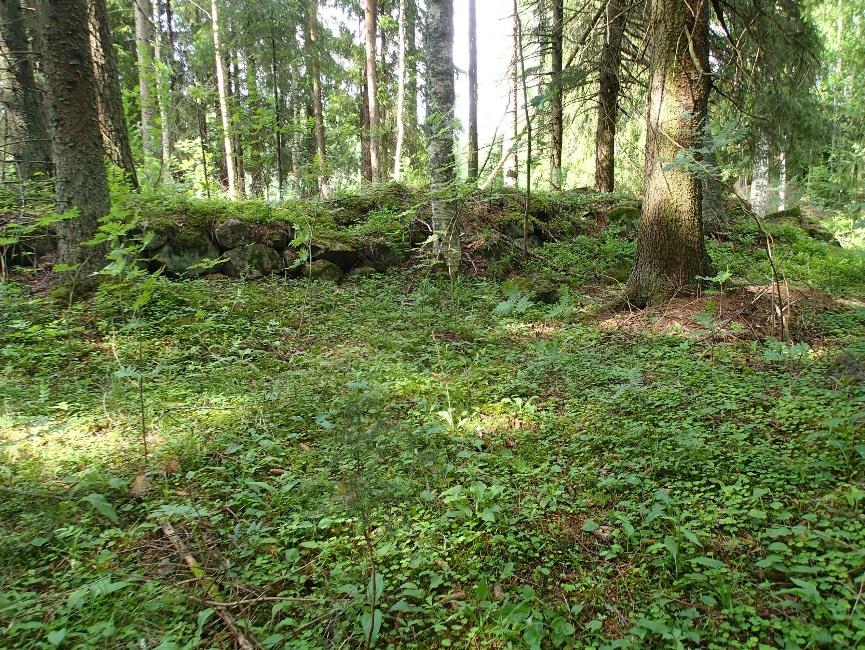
(440, 122)
(609, 86)
(109, 99)
(365, 140)
(223, 100)
(312, 58)
(670, 246)
(371, 22)
(385, 131)
(400, 96)
(32, 151)
(161, 83)
(412, 142)
(203, 139)
(511, 165)
(80, 178)
(235, 93)
(144, 52)
(473, 91)
(760, 179)
(277, 117)
(557, 121)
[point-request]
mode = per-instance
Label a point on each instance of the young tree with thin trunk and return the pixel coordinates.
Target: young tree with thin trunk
(441, 98)
(221, 88)
(277, 115)
(473, 91)
(109, 98)
(162, 87)
(32, 148)
(608, 94)
(147, 100)
(371, 24)
(314, 69)
(365, 140)
(400, 95)
(410, 121)
(671, 249)
(81, 182)
(557, 121)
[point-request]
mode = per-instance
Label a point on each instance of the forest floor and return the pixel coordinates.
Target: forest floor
(404, 461)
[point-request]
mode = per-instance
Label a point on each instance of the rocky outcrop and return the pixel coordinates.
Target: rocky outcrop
(183, 252)
(252, 261)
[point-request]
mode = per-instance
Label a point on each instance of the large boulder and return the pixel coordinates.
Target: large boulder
(343, 255)
(322, 270)
(382, 256)
(184, 250)
(252, 261)
(232, 233)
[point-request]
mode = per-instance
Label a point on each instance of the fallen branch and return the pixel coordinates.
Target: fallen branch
(211, 590)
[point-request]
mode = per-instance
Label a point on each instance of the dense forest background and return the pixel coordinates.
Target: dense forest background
(422, 324)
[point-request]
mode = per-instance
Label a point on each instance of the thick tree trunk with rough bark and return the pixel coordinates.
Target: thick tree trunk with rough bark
(32, 151)
(473, 91)
(371, 23)
(671, 250)
(147, 98)
(557, 122)
(609, 87)
(80, 179)
(109, 99)
(312, 58)
(223, 100)
(440, 123)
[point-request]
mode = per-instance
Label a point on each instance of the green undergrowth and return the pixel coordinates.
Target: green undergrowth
(408, 462)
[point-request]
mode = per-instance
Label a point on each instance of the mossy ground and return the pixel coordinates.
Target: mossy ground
(527, 476)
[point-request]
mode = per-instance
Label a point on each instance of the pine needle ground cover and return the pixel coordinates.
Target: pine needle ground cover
(408, 462)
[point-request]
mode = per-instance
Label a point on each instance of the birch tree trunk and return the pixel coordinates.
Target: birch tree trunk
(80, 178)
(473, 91)
(223, 100)
(400, 95)
(440, 122)
(670, 246)
(609, 87)
(371, 22)
(144, 53)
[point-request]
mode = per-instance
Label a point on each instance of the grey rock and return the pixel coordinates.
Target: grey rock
(252, 261)
(232, 233)
(339, 253)
(322, 270)
(183, 250)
